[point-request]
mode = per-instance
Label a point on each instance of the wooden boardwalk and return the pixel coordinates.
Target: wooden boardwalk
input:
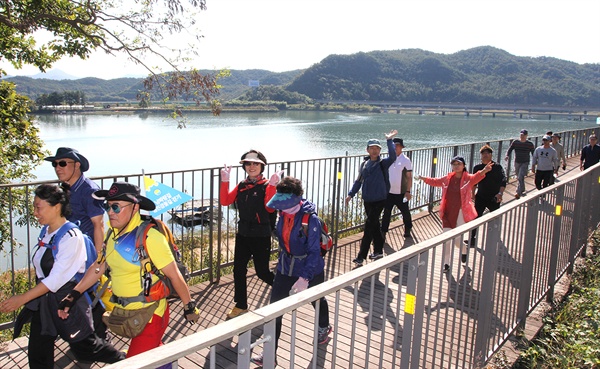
(215, 300)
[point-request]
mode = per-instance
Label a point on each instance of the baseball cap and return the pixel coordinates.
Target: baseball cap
(373, 142)
(524, 131)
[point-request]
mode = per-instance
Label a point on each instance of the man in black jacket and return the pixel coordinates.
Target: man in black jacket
(490, 190)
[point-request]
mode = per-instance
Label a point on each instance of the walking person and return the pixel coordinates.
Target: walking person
(590, 155)
(373, 177)
(456, 207)
(55, 277)
(253, 237)
(87, 212)
(131, 288)
(488, 193)
(400, 176)
(560, 152)
(523, 148)
(300, 264)
(544, 164)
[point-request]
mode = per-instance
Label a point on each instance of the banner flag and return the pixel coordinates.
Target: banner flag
(165, 197)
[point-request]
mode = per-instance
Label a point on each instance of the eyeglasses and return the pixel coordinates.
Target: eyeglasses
(62, 163)
(251, 163)
(114, 207)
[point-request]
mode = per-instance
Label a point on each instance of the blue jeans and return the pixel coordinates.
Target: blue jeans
(521, 171)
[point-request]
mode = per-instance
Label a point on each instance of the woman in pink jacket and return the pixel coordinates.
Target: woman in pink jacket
(457, 207)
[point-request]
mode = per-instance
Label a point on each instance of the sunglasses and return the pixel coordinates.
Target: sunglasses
(251, 163)
(114, 207)
(62, 163)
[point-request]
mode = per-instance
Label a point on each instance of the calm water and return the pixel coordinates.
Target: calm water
(126, 144)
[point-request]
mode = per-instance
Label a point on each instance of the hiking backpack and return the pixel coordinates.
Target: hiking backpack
(326, 240)
(90, 249)
(163, 287)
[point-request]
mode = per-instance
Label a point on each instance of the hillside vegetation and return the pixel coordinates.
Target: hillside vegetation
(479, 75)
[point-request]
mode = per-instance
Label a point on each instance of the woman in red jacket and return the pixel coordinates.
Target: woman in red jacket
(456, 207)
(253, 237)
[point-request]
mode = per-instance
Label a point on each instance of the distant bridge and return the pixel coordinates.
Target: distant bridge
(468, 109)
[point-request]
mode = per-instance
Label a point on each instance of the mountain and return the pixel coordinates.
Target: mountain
(479, 75)
(126, 89)
(54, 74)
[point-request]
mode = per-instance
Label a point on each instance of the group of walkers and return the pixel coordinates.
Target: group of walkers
(63, 301)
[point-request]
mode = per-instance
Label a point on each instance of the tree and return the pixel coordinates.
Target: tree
(139, 29)
(20, 152)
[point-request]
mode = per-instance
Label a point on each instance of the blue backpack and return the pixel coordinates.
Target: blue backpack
(90, 249)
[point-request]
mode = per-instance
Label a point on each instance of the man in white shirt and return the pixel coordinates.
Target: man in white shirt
(400, 174)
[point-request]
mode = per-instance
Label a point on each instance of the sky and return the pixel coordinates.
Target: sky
(285, 35)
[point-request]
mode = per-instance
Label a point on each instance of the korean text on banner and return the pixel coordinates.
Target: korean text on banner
(165, 197)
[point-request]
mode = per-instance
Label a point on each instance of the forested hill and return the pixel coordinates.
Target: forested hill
(126, 89)
(479, 75)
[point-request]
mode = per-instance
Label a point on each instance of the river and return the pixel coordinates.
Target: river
(130, 143)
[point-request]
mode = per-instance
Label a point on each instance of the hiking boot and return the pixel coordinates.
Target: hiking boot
(235, 312)
(259, 359)
(323, 336)
(463, 258)
(376, 256)
(358, 261)
(517, 196)
(446, 268)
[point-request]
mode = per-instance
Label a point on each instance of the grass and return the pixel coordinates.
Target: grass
(570, 336)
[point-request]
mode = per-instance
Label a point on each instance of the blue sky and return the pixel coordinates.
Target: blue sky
(283, 35)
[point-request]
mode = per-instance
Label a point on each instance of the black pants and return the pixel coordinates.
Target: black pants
(398, 201)
(281, 289)
(482, 203)
(543, 178)
(41, 348)
(372, 229)
(257, 248)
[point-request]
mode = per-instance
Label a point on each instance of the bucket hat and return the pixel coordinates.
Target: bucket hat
(126, 192)
(69, 153)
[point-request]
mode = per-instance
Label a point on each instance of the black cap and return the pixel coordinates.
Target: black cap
(126, 192)
(398, 141)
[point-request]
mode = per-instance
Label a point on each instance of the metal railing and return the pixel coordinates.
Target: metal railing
(209, 249)
(403, 311)
(327, 181)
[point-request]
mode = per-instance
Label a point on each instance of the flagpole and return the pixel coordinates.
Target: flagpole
(143, 191)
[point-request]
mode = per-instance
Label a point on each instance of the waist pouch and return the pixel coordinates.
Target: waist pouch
(128, 323)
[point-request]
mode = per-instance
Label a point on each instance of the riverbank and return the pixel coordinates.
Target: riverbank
(517, 113)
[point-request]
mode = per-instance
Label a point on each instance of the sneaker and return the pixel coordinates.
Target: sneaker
(517, 196)
(324, 334)
(376, 256)
(235, 312)
(258, 360)
(358, 261)
(446, 268)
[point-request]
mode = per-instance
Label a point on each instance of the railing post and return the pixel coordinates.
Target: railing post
(560, 195)
(337, 192)
(434, 161)
(576, 233)
(409, 314)
(211, 273)
(529, 248)
(486, 301)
